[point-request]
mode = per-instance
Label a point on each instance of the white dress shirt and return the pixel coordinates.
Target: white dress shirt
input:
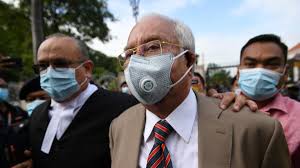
(182, 143)
(62, 114)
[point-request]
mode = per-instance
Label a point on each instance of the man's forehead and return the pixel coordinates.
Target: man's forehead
(59, 47)
(151, 29)
(57, 43)
(263, 50)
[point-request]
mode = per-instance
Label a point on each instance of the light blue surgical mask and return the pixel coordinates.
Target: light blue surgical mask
(149, 78)
(60, 83)
(258, 83)
(4, 94)
(32, 105)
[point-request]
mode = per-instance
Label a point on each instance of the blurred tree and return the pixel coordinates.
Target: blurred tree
(15, 40)
(83, 19)
(104, 64)
(36, 28)
(218, 78)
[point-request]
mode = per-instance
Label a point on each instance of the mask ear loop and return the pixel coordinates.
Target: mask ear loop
(181, 54)
(284, 71)
(282, 74)
(86, 78)
(82, 83)
(183, 76)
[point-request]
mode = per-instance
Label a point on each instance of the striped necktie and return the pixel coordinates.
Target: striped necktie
(159, 156)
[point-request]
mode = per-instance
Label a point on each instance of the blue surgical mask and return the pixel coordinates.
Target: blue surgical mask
(4, 94)
(60, 83)
(259, 84)
(32, 105)
(149, 78)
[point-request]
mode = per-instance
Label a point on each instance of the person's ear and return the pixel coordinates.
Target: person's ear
(191, 58)
(285, 76)
(89, 65)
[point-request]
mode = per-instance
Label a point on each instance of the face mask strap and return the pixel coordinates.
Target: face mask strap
(86, 78)
(80, 65)
(183, 76)
(181, 54)
(284, 70)
(82, 83)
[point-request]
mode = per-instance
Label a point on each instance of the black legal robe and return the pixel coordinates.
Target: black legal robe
(85, 144)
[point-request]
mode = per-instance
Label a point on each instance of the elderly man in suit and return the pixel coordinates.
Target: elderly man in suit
(71, 129)
(175, 127)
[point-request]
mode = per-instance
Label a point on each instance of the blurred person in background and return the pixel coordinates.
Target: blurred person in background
(4, 95)
(32, 93)
(198, 83)
(13, 130)
(124, 88)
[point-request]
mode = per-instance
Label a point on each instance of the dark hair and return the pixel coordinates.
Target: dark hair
(201, 78)
(267, 38)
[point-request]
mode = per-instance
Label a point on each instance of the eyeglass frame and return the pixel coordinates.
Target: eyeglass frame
(134, 50)
(36, 67)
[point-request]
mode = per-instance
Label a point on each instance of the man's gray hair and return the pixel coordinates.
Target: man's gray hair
(80, 44)
(182, 31)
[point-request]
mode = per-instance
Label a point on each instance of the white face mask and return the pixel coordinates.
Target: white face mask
(125, 90)
(149, 78)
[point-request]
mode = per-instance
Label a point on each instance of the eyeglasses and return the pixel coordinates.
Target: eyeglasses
(155, 47)
(42, 67)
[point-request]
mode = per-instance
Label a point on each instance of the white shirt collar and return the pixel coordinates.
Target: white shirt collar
(77, 101)
(181, 119)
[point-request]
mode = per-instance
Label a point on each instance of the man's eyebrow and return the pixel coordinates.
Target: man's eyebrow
(249, 58)
(273, 58)
(152, 38)
(54, 60)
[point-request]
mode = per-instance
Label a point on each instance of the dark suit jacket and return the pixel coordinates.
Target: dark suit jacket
(226, 139)
(85, 144)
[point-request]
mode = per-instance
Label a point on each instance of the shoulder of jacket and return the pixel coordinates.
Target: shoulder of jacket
(132, 113)
(247, 119)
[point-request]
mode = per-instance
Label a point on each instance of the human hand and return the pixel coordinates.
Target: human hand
(27, 163)
(228, 98)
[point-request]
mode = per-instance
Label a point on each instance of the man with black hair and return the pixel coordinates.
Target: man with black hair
(13, 130)
(33, 94)
(262, 73)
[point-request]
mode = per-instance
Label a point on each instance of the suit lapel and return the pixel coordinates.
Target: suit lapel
(135, 136)
(214, 136)
(43, 116)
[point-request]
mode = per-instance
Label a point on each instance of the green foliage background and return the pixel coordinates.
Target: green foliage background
(83, 19)
(218, 77)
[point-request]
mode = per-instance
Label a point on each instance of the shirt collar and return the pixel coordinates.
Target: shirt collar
(278, 103)
(77, 101)
(181, 119)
